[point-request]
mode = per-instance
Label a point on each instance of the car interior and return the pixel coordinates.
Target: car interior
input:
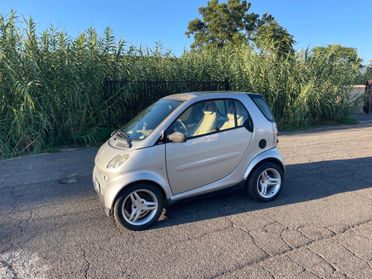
(210, 116)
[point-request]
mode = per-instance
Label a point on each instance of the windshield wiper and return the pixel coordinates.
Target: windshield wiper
(122, 135)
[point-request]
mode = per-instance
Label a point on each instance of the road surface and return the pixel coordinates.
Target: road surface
(320, 226)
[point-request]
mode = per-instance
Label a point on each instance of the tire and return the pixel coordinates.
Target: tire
(257, 180)
(132, 207)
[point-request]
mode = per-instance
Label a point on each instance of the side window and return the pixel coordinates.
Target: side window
(241, 114)
(197, 120)
(210, 116)
(228, 120)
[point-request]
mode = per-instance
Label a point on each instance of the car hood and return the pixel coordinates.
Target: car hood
(110, 149)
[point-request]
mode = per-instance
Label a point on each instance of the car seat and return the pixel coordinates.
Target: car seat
(208, 122)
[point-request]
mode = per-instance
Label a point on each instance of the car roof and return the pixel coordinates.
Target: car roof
(190, 95)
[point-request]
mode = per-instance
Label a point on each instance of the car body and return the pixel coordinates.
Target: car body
(186, 145)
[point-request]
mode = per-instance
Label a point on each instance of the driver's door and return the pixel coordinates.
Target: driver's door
(214, 147)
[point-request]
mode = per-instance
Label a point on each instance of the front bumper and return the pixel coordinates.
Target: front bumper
(97, 184)
(108, 185)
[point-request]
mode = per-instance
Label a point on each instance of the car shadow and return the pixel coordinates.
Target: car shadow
(304, 182)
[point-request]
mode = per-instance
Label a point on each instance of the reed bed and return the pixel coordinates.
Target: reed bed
(52, 85)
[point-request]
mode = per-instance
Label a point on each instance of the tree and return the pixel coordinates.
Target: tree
(273, 39)
(225, 22)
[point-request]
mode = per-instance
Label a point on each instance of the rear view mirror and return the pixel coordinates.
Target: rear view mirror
(177, 137)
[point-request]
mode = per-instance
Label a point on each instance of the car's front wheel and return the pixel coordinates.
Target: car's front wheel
(265, 182)
(138, 206)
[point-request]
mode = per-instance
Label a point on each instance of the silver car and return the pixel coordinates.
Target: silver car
(186, 145)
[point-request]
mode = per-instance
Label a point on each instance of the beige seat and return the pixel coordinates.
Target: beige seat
(229, 123)
(208, 122)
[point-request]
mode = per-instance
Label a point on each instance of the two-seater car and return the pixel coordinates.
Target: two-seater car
(186, 145)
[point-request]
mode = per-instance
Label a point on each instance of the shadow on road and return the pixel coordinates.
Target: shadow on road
(304, 182)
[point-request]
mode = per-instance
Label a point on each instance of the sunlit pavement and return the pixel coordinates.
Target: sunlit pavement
(321, 225)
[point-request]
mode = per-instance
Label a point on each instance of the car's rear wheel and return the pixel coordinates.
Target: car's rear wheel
(265, 182)
(138, 206)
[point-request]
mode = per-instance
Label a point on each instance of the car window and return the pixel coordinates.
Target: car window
(262, 105)
(210, 116)
(242, 114)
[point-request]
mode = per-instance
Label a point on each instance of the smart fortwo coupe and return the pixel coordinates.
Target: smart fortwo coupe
(186, 145)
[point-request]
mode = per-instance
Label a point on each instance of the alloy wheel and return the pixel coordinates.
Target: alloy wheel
(139, 207)
(269, 183)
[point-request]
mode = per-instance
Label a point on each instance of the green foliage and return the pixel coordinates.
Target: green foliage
(224, 23)
(301, 90)
(273, 39)
(52, 86)
(231, 22)
(339, 53)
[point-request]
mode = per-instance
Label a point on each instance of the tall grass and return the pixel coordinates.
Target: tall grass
(51, 85)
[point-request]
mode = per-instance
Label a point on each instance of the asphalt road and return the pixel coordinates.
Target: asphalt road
(320, 227)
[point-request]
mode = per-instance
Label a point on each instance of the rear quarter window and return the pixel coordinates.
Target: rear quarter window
(260, 102)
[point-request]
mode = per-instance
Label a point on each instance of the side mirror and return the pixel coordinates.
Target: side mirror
(177, 137)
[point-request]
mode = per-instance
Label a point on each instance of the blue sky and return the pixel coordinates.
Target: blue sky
(313, 23)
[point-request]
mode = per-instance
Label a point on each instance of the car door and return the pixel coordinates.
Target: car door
(215, 144)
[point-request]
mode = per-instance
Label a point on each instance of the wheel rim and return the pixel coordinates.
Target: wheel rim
(269, 182)
(139, 207)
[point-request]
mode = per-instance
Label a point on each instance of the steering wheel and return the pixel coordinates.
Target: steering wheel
(182, 127)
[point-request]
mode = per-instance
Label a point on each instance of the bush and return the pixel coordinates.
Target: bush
(51, 86)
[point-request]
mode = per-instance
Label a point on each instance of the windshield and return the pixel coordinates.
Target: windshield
(144, 123)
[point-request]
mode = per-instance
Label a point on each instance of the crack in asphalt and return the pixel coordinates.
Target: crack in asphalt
(333, 267)
(268, 271)
(10, 268)
(258, 262)
(202, 235)
(268, 255)
(353, 253)
(311, 239)
(86, 270)
(233, 225)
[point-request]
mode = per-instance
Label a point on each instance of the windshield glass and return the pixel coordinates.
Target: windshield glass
(144, 123)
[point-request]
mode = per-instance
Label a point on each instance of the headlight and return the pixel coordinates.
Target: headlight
(117, 161)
